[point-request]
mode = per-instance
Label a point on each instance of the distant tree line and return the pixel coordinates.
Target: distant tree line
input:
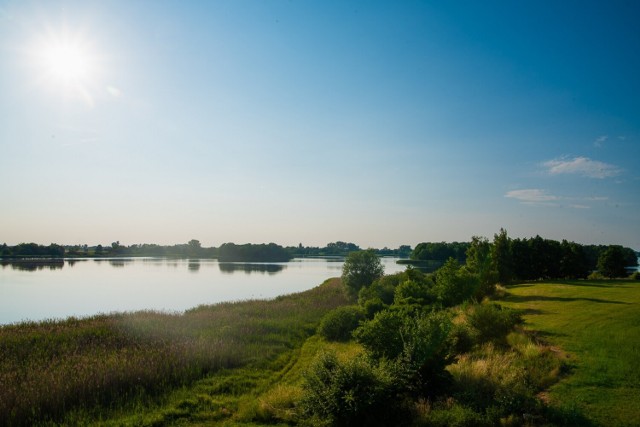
(531, 258)
(342, 249)
(258, 253)
(193, 249)
(32, 250)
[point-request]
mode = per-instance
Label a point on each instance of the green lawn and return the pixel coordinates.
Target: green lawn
(598, 324)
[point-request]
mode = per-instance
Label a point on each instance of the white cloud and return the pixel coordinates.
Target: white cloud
(581, 166)
(531, 195)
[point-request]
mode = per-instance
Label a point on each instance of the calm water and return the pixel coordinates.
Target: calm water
(83, 287)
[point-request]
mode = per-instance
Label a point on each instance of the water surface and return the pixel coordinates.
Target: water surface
(37, 290)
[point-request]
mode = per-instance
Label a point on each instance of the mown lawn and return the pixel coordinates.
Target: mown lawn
(598, 324)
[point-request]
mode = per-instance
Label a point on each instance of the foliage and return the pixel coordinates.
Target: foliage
(501, 256)
(453, 284)
(360, 269)
(413, 294)
(339, 323)
(441, 251)
(355, 392)
(408, 289)
(419, 344)
(612, 262)
(479, 263)
(32, 250)
(382, 335)
(229, 252)
(492, 322)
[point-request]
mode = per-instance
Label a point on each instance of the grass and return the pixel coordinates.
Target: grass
(155, 364)
(598, 324)
(242, 364)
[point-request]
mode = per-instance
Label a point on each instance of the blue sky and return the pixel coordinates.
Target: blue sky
(380, 123)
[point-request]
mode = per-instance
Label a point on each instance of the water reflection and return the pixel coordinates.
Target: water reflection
(33, 264)
(248, 268)
(117, 263)
(194, 265)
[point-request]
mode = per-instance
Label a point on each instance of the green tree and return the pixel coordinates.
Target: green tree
(501, 256)
(454, 284)
(360, 269)
(612, 262)
(479, 263)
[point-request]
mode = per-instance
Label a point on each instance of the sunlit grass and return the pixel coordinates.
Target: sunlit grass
(598, 324)
(99, 366)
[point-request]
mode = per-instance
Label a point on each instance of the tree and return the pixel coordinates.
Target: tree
(454, 284)
(612, 262)
(479, 263)
(501, 256)
(360, 269)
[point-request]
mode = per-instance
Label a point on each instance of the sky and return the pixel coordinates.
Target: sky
(378, 123)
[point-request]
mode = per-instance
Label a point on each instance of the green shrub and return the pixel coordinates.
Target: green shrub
(454, 284)
(419, 345)
(381, 335)
(351, 393)
(493, 322)
(412, 293)
(338, 324)
(635, 275)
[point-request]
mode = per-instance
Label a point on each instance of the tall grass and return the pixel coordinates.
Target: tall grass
(50, 368)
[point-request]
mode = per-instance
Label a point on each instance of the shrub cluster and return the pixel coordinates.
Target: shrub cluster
(338, 324)
(425, 340)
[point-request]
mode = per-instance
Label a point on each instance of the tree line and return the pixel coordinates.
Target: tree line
(270, 252)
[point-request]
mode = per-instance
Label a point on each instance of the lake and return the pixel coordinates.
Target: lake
(40, 290)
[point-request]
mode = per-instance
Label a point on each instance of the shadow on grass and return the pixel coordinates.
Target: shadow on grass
(527, 311)
(531, 298)
(567, 415)
(601, 283)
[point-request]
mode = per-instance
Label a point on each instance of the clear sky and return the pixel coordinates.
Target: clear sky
(378, 123)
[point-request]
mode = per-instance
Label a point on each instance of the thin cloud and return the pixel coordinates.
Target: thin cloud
(583, 166)
(600, 140)
(531, 195)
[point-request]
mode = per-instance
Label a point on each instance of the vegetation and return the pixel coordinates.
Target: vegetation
(250, 252)
(597, 324)
(48, 369)
(360, 269)
(339, 323)
(368, 349)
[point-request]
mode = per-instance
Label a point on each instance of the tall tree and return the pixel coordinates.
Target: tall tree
(501, 256)
(612, 262)
(360, 269)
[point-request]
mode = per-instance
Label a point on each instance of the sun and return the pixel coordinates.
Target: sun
(66, 63)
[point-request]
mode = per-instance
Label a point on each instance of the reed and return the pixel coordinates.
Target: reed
(50, 368)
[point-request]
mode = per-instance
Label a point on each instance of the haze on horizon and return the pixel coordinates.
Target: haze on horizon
(378, 123)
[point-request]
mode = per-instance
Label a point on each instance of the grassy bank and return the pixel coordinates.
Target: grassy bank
(106, 364)
(598, 324)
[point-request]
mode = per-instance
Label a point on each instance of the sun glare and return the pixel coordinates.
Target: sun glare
(66, 63)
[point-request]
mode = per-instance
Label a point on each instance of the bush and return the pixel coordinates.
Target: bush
(351, 393)
(338, 324)
(382, 336)
(635, 275)
(493, 322)
(454, 284)
(419, 346)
